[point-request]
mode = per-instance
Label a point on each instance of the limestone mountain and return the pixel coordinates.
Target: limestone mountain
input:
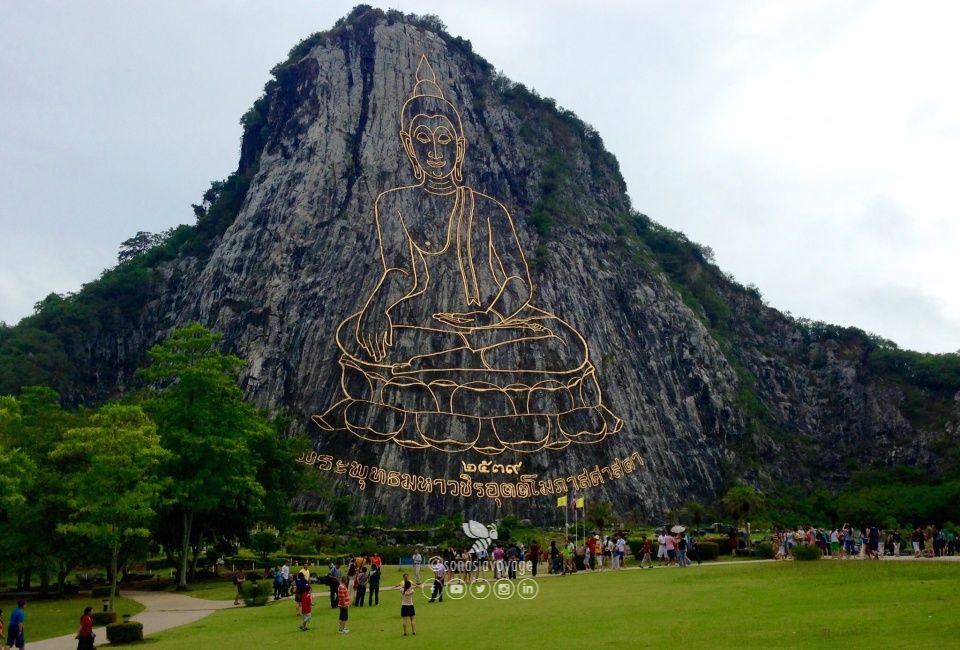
(712, 384)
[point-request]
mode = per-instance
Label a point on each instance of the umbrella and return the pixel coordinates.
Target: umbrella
(678, 529)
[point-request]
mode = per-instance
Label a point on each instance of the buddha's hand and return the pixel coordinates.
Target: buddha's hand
(375, 333)
(469, 320)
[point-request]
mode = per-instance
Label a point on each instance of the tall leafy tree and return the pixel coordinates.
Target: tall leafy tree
(209, 430)
(34, 423)
(16, 468)
(112, 483)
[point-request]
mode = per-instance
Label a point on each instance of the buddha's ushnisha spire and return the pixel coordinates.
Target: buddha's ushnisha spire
(426, 85)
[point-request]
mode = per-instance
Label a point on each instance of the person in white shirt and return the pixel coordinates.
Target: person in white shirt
(661, 549)
(417, 563)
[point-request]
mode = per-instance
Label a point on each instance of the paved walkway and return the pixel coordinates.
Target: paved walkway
(162, 611)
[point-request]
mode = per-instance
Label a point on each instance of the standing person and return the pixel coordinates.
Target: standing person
(692, 551)
(917, 540)
(407, 612)
(621, 550)
(360, 586)
(85, 635)
(417, 563)
(662, 548)
(439, 573)
(682, 551)
(16, 638)
(554, 557)
(301, 587)
(278, 583)
(873, 538)
(375, 560)
(343, 600)
(646, 562)
(834, 543)
(239, 577)
(374, 585)
(671, 543)
(285, 572)
(306, 606)
(734, 544)
(896, 539)
(534, 557)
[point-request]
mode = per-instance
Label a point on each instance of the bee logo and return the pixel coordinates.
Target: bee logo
(483, 534)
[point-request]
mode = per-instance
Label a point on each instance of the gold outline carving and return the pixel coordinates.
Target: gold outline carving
(487, 408)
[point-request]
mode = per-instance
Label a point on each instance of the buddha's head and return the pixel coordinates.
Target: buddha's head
(431, 130)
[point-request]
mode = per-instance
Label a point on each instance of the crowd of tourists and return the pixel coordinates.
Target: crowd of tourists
(867, 542)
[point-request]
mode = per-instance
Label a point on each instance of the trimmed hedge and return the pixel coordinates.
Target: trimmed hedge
(706, 551)
(103, 618)
(123, 633)
(806, 552)
(256, 594)
(763, 550)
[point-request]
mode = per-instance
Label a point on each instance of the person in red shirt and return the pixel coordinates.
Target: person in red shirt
(343, 600)
(646, 561)
(375, 560)
(306, 606)
(85, 634)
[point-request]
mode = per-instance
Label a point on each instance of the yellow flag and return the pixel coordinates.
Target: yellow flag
(580, 502)
(561, 501)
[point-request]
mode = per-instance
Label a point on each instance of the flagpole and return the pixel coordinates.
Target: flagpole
(566, 525)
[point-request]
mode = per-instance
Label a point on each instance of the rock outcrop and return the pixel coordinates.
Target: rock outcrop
(707, 392)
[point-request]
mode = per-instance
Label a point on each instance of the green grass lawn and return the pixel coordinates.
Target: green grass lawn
(55, 617)
(853, 604)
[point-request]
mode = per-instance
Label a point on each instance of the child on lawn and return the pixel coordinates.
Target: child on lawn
(343, 600)
(306, 606)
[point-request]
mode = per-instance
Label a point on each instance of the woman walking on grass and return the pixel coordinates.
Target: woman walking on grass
(407, 612)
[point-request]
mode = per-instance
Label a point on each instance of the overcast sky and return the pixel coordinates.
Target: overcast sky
(815, 146)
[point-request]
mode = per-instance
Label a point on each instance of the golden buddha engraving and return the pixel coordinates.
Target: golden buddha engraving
(449, 351)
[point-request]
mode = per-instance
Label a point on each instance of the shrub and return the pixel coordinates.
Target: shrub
(103, 618)
(301, 548)
(122, 633)
(256, 594)
(707, 550)
(103, 592)
(806, 552)
(763, 550)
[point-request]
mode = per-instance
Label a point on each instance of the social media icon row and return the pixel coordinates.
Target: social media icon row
(526, 588)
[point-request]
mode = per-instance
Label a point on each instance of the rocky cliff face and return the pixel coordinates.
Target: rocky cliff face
(705, 397)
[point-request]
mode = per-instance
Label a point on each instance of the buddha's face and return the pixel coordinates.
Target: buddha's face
(433, 145)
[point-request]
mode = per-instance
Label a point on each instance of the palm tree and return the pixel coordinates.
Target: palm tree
(599, 515)
(741, 501)
(696, 512)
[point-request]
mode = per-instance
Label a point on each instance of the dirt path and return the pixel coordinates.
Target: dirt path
(162, 611)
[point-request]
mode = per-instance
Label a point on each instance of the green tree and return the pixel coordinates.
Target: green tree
(30, 542)
(696, 511)
(742, 501)
(15, 466)
(210, 431)
(599, 515)
(112, 483)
